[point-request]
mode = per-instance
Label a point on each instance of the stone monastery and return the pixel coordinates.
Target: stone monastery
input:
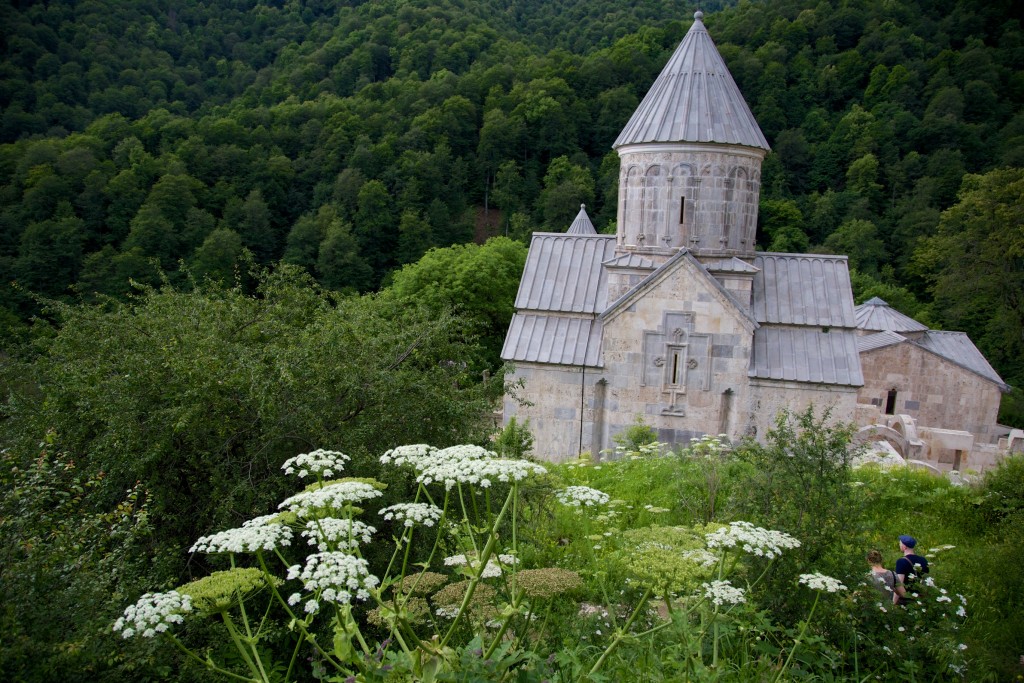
(677, 320)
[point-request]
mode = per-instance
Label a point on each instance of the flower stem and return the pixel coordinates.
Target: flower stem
(622, 633)
(208, 663)
(799, 638)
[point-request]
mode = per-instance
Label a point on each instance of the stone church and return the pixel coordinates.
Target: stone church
(676, 320)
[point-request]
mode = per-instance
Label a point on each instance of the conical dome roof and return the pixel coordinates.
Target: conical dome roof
(582, 225)
(694, 99)
(876, 314)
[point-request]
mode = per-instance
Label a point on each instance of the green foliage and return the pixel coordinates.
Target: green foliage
(478, 281)
(514, 440)
(196, 397)
(975, 266)
(635, 437)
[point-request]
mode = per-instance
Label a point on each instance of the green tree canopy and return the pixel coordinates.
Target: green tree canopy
(479, 281)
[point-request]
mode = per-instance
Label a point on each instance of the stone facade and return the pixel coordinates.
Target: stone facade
(702, 197)
(908, 380)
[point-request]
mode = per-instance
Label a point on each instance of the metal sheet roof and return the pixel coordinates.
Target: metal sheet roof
(563, 340)
(694, 99)
(876, 314)
(806, 355)
(581, 225)
(564, 273)
(630, 260)
(803, 289)
(878, 340)
(729, 264)
(958, 348)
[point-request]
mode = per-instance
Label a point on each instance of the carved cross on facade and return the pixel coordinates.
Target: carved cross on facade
(676, 360)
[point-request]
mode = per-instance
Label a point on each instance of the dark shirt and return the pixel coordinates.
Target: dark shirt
(905, 566)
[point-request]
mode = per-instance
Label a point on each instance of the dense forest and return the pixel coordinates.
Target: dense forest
(234, 231)
(160, 140)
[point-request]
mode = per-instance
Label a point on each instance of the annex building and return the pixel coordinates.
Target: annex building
(676, 319)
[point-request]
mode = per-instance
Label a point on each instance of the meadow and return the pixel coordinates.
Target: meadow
(716, 562)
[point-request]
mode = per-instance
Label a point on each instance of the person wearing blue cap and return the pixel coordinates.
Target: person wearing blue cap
(909, 570)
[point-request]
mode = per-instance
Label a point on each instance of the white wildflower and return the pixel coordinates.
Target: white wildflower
(819, 582)
(256, 534)
(333, 495)
(412, 454)
(702, 557)
(339, 534)
(582, 496)
(348, 576)
(752, 539)
(723, 593)
(477, 471)
(962, 646)
(153, 613)
(413, 513)
(319, 462)
(960, 611)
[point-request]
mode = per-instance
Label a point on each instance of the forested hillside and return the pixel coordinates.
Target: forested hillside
(349, 138)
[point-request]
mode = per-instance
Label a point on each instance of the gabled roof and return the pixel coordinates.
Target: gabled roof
(958, 348)
(564, 287)
(640, 288)
(802, 289)
(876, 314)
(694, 99)
(878, 340)
(806, 354)
(955, 347)
(553, 339)
(563, 273)
(581, 225)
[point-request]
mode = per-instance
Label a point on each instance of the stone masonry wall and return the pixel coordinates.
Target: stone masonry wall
(933, 391)
(719, 184)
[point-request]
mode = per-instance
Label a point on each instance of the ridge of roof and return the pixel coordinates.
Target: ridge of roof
(662, 270)
(694, 99)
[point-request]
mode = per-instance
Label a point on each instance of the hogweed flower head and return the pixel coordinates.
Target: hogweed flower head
(411, 514)
(723, 593)
(424, 583)
(153, 613)
(319, 462)
(339, 577)
(753, 539)
(547, 582)
(333, 495)
(342, 534)
(256, 534)
(413, 454)
(477, 471)
(581, 496)
(820, 582)
(221, 590)
(490, 571)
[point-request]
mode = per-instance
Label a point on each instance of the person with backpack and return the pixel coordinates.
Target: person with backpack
(909, 570)
(884, 580)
